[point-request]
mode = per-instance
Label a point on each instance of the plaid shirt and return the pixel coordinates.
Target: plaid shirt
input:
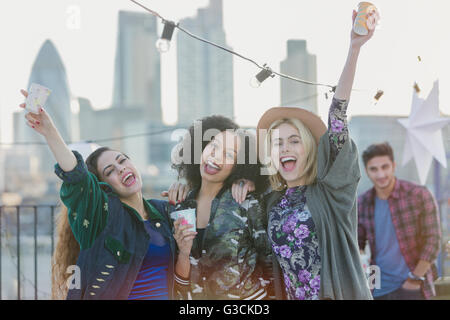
(416, 221)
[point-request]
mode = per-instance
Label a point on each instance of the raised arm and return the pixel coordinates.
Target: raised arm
(80, 192)
(43, 124)
(345, 83)
(337, 116)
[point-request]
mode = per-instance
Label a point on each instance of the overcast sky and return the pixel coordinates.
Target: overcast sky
(256, 28)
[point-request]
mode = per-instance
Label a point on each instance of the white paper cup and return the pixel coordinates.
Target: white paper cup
(37, 96)
(362, 25)
(189, 215)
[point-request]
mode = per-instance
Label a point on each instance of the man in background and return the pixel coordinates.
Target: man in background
(400, 220)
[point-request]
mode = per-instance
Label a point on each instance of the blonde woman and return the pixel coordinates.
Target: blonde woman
(311, 212)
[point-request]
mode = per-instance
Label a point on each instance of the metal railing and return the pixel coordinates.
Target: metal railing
(10, 223)
(12, 219)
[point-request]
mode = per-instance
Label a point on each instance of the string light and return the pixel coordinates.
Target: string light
(156, 132)
(163, 43)
(263, 68)
(256, 81)
(97, 140)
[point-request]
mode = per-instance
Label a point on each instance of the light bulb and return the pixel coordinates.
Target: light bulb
(254, 83)
(265, 73)
(163, 45)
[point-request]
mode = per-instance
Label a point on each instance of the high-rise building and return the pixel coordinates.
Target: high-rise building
(137, 77)
(136, 109)
(49, 71)
(2, 168)
(205, 73)
(300, 64)
(128, 130)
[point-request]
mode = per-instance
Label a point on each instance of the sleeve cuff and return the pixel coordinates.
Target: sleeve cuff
(77, 174)
(339, 104)
(181, 280)
(430, 254)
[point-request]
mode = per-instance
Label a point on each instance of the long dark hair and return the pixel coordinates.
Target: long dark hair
(67, 248)
(247, 170)
(92, 160)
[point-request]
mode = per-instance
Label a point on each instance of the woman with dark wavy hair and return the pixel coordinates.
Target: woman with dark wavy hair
(230, 251)
(122, 243)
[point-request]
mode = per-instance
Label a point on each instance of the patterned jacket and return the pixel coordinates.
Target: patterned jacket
(231, 260)
(416, 221)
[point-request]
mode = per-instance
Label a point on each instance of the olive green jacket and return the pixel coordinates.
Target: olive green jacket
(230, 261)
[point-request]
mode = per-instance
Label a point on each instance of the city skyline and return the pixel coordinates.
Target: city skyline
(303, 65)
(250, 103)
(137, 74)
(48, 70)
(205, 74)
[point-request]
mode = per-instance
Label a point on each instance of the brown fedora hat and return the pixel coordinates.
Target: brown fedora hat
(309, 119)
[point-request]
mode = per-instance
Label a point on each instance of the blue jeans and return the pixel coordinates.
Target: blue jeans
(403, 294)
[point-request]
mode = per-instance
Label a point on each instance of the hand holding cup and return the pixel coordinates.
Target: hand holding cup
(364, 22)
(184, 236)
(41, 122)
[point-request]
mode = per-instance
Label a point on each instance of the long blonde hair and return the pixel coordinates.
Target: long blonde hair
(66, 254)
(309, 162)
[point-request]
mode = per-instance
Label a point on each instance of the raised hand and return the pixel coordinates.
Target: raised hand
(41, 123)
(183, 236)
(357, 41)
(241, 188)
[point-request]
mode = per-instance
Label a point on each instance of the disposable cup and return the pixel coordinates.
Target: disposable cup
(37, 96)
(362, 24)
(189, 216)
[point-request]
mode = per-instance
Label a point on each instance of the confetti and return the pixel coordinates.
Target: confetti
(379, 94)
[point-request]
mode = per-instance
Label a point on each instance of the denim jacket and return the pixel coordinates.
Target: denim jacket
(112, 237)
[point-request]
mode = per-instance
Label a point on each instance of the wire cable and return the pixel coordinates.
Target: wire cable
(156, 14)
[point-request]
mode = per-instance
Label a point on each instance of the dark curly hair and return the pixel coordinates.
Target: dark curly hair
(248, 169)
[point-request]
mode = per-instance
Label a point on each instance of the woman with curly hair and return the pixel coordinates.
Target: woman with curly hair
(230, 252)
(121, 243)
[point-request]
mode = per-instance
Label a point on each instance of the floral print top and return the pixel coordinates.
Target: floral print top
(291, 228)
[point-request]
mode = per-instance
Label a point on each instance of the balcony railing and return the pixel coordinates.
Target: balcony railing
(25, 229)
(29, 229)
